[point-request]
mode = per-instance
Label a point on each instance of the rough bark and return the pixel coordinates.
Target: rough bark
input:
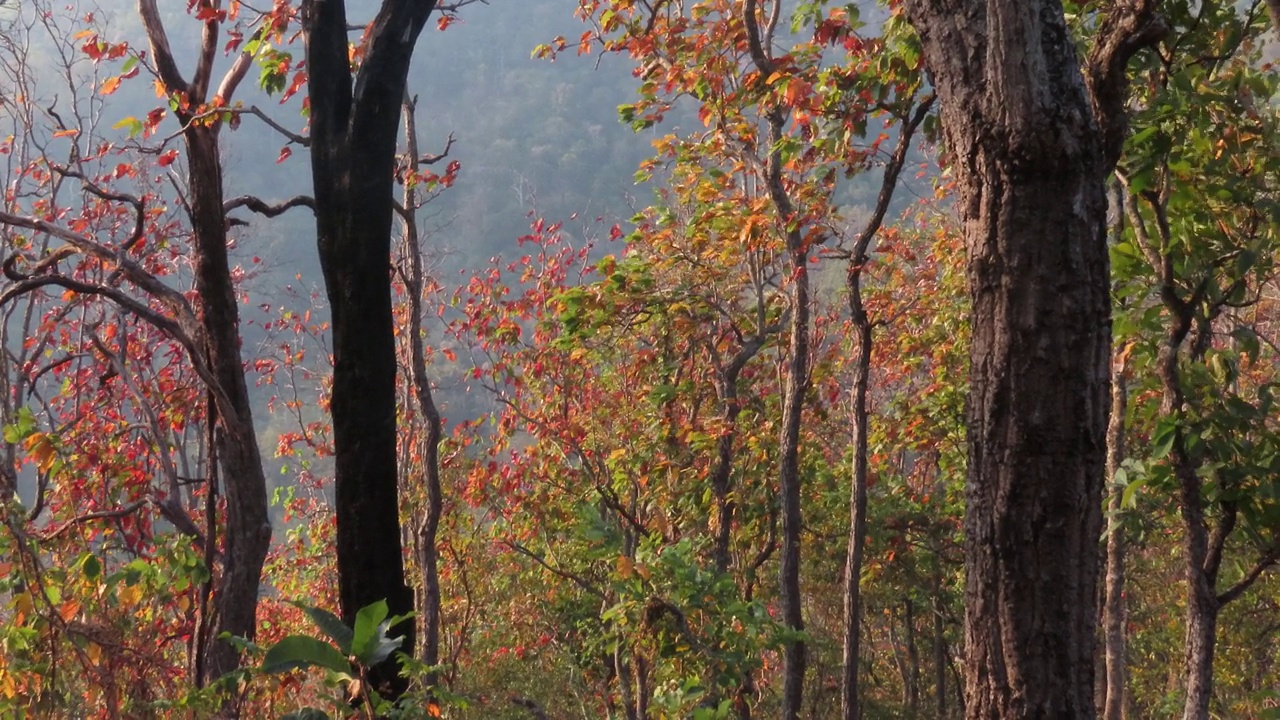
(1031, 147)
(247, 529)
(1114, 610)
(248, 526)
(354, 128)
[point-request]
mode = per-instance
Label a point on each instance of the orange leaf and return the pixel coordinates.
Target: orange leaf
(109, 86)
(66, 133)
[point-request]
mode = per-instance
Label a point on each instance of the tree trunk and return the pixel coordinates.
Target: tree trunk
(427, 554)
(353, 134)
(912, 678)
(862, 327)
(1029, 159)
(248, 525)
(939, 644)
(849, 702)
(1113, 613)
(795, 386)
(1031, 148)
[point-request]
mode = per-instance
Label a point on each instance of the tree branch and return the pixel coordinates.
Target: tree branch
(294, 137)
(170, 75)
(566, 574)
(262, 207)
(1264, 563)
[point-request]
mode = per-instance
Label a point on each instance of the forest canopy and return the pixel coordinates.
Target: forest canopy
(662, 359)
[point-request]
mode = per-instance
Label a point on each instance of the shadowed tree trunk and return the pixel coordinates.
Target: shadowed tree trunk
(354, 128)
(1031, 148)
(247, 535)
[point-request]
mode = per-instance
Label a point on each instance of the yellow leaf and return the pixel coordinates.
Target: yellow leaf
(109, 86)
(40, 448)
(82, 35)
(130, 595)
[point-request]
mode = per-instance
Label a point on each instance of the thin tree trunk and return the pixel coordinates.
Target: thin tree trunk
(912, 678)
(427, 554)
(795, 386)
(247, 535)
(851, 708)
(1113, 613)
(939, 644)
(862, 331)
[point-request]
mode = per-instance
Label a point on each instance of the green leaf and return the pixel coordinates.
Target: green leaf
(329, 624)
(370, 633)
(91, 567)
(299, 651)
(129, 64)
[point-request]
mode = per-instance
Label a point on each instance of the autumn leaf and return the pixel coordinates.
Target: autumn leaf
(109, 86)
(42, 451)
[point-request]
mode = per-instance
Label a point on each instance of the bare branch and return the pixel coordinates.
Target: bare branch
(262, 207)
(1265, 563)
(237, 72)
(99, 515)
(566, 574)
(208, 51)
(302, 140)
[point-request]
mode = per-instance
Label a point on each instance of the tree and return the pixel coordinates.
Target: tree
(1032, 140)
(210, 330)
(354, 127)
(1200, 201)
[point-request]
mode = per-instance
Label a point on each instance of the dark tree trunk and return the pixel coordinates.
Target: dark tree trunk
(247, 536)
(1113, 612)
(1031, 148)
(795, 386)
(939, 644)
(354, 129)
(248, 526)
(912, 678)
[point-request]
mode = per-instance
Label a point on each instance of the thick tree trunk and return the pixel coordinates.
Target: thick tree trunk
(1113, 612)
(248, 526)
(1029, 160)
(1031, 148)
(354, 130)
